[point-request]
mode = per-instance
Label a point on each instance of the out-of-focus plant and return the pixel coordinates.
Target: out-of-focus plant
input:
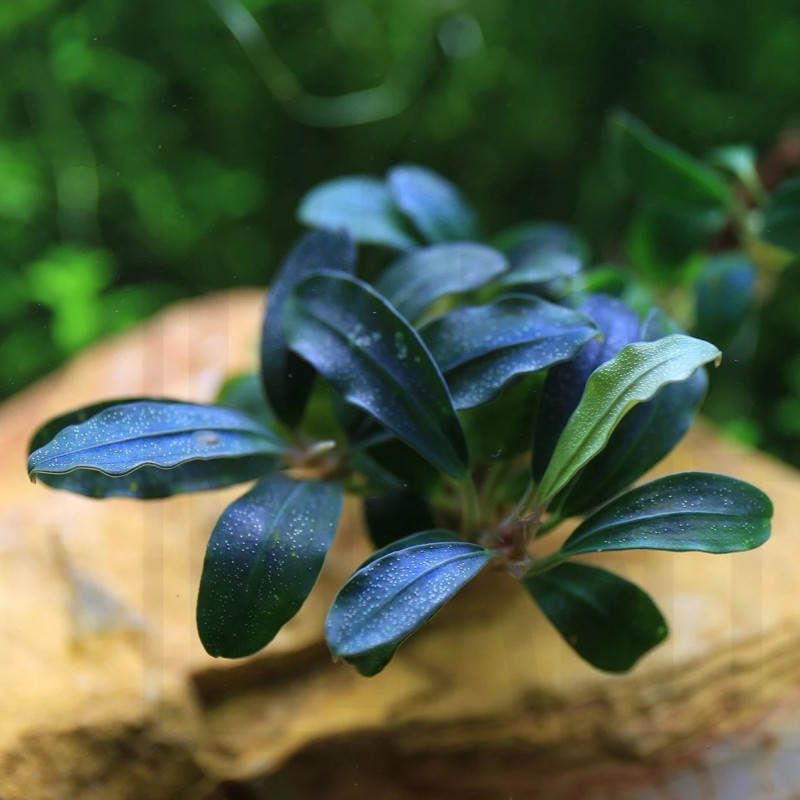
(423, 391)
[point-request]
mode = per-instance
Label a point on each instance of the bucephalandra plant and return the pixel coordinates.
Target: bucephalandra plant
(471, 412)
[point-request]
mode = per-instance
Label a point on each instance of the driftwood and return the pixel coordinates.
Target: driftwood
(108, 694)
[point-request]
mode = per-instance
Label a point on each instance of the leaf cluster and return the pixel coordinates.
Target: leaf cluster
(472, 393)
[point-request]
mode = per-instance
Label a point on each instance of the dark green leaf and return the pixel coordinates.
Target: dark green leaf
(633, 376)
(687, 511)
(725, 296)
(608, 621)
(286, 377)
(362, 206)
(153, 449)
(643, 437)
(415, 281)
(660, 170)
(396, 514)
(541, 252)
(432, 536)
(376, 360)
(386, 601)
(565, 383)
(782, 217)
(499, 430)
(436, 207)
(662, 240)
(245, 393)
(480, 349)
(262, 561)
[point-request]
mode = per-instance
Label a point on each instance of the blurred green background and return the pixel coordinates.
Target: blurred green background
(152, 150)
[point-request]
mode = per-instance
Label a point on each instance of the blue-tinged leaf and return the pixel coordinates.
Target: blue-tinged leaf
(480, 349)
(782, 217)
(396, 514)
(383, 603)
(608, 621)
(363, 206)
(660, 170)
(415, 281)
(643, 437)
(286, 377)
(154, 449)
(687, 511)
(433, 536)
(436, 207)
(376, 361)
(262, 561)
(541, 252)
(148, 483)
(619, 326)
(725, 297)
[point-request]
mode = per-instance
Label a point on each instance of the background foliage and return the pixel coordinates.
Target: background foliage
(155, 150)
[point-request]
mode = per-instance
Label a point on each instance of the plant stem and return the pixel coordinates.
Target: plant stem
(546, 563)
(522, 507)
(554, 520)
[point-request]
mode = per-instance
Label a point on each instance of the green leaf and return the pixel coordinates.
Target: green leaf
(608, 621)
(633, 376)
(742, 162)
(417, 280)
(541, 252)
(566, 382)
(433, 536)
(782, 217)
(361, 205)
(436, 207)
(660, 170)
(287, 378)
(725, 293)
(376, 360)
(493, 429)
(262, 561)
(152, 449)
(687, 511)
(396, 514)
(479, 349)
(245, 393)
(386, 601)
(645, 435)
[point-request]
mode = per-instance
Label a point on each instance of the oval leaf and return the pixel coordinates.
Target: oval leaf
(286, 377)
(633, 376)
(436, 207)
(386, 601)
(660, 169)
(608, 621)
(433, 536)
(541, 252)
(725, 297)
(148, 483)
(245, 393)
(645, 435)
(782, 217)
(362, 206)
(262, 561)
(415, 281)
(688, 511)
(169, 445)
(394, 515)
(377, 361)
(480, 349)
(565, 383)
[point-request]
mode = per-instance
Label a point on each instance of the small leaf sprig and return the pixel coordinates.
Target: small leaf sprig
(468, 393)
